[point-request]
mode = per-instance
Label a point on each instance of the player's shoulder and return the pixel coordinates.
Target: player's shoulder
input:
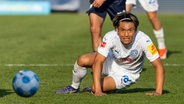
(111, 34)
(143, 39)
(141, 36)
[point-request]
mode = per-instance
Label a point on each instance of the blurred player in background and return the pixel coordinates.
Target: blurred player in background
(97, 14)
(151, 8)
(119, 60)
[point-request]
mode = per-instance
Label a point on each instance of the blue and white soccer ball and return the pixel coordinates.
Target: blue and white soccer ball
(25, 83)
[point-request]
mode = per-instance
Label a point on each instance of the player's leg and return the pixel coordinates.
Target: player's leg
(153, 18)
(118, 77)
(113, 76)
(130, 4)
(158, 30)
(96, 23)
(108, 84)
(96, 18)
(79, 72)
(151, 8)
(129, 7)
(117, 80)
(159, 33)
(80, 68)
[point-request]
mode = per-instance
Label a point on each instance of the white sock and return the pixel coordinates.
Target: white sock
(78, 74)
(160, 38)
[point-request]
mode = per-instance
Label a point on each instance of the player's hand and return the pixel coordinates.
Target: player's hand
(99, 94)
(153, 94)
(98, 3)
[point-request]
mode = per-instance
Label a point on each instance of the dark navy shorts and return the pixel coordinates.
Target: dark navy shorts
(112, 7)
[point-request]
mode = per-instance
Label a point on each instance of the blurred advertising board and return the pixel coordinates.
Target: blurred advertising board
(24, 7)
(65, 5)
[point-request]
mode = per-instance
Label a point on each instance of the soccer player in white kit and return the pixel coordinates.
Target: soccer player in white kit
(119, 60)
(151, 8)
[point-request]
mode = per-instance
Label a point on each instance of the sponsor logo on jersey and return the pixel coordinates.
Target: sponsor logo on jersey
(152, 49)
(124, 60)
(103, 44)
(125, 79)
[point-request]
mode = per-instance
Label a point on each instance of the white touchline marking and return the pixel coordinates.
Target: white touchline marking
(52, 65)
(49, 65)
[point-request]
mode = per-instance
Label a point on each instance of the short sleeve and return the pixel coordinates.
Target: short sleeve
(149, 49)
(107, 43)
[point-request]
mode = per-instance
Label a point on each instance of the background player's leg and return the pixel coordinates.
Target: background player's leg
(159, 33)
(96, 23)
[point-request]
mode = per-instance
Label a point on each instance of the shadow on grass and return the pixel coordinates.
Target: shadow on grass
(169, 53)
(144, 69)
(4, 92)
(136, 90)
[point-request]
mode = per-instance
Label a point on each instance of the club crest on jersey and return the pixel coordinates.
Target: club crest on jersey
(152, 49)
(103, 44)
(134, 53)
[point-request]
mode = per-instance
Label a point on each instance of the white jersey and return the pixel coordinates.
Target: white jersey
(129, 57)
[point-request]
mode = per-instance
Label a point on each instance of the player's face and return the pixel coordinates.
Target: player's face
(126, 31)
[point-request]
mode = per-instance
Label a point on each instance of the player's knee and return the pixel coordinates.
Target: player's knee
(83, 61)
(95, 30)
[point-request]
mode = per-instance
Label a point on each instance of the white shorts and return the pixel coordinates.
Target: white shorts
(148, 5)
(122, 77)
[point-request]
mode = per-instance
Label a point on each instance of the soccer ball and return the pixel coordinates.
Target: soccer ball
(25, 83)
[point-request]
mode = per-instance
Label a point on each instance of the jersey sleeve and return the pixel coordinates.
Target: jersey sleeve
(149, 49)
(107, 44)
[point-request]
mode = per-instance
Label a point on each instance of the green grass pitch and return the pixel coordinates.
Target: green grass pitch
(49, 45)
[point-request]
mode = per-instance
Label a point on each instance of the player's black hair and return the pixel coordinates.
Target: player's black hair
(125, 16)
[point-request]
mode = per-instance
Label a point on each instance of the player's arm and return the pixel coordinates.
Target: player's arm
(97, 70)
(159, 74)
